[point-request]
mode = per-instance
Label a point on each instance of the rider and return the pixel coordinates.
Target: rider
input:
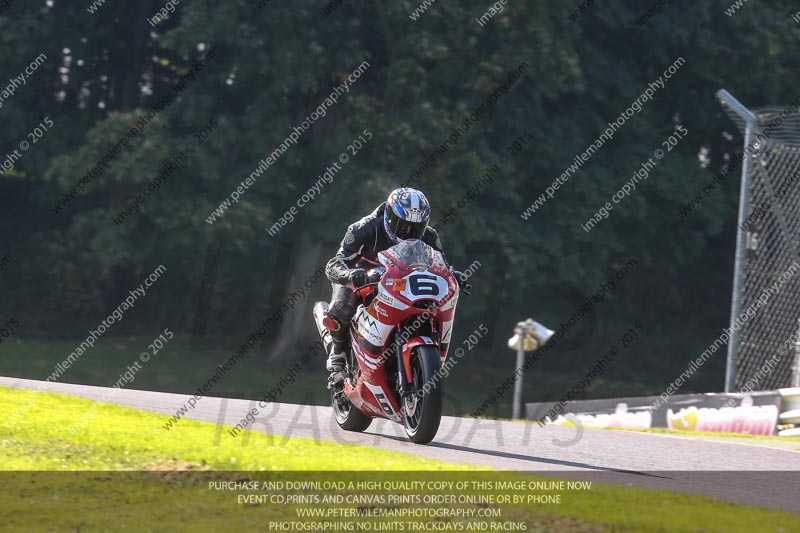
(403, 216)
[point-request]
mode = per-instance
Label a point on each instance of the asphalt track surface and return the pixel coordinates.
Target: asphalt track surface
(741, 473)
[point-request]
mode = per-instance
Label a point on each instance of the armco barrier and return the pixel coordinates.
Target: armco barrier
(753, 413)
(790, 412)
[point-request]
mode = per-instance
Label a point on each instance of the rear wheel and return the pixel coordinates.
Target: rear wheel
(347, 416)
(422, 408)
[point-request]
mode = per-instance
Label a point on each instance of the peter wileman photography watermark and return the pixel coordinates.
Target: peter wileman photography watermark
(641, 174)
(127, 377)
(275, 392)
(605, 137)
(249, 345)
(265, 163)
(466, 124)
(138, 128)
(326, 178)
(723, 338)
(61, 368)
(624, 341)
(115, 316)
(11, 159)
(494, 9)
(175, 162)
(585, 310)
(470, 342)
(21, 79)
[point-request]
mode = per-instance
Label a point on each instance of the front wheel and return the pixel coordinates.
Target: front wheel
(422, 408)
(347, 416)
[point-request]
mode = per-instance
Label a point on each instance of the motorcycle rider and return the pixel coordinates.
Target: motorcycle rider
(404, 215)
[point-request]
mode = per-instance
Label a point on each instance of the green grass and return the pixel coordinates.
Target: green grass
(35, 432)
(38, 434)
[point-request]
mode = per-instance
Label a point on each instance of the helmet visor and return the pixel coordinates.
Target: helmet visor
(403, 229)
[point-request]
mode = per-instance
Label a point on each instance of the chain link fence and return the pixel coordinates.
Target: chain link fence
(767, 246)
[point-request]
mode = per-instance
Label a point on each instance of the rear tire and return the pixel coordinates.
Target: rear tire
(422, 410)
(347, 416)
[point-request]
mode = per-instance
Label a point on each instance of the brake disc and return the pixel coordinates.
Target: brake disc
(410, 404)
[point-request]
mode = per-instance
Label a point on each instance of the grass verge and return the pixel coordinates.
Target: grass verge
(73, 493)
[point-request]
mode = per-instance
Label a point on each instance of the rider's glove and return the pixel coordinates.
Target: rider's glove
(462, 281)
(374, 275)
(358, 277)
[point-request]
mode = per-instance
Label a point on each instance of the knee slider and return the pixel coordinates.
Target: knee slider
(341, 312)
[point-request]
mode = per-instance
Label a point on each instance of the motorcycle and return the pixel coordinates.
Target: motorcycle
(399, 335)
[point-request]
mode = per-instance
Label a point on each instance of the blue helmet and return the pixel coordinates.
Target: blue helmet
(406, 215)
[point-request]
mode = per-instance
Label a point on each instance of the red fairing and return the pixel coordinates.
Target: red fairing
(414, 291)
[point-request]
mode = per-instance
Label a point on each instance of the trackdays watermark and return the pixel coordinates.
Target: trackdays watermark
(325, 178)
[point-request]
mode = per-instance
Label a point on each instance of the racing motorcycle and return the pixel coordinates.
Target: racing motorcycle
(400, 335)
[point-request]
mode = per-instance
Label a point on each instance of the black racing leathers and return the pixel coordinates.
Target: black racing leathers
(359, 249)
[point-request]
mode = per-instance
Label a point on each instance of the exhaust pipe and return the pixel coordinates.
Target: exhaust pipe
(320, 308)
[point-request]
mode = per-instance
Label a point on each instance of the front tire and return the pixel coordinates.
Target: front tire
(347, 416)
(422, 409)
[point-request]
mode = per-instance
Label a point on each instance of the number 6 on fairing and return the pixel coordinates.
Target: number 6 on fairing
(425, 286)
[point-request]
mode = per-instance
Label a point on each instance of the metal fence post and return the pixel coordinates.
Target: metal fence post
(741, 235)
(517, 411)
(796, 368)
(529, 335)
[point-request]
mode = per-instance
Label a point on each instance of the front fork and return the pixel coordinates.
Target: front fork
(404, 359)
(402, 370)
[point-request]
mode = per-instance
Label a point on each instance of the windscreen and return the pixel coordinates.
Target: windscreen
(412, 254)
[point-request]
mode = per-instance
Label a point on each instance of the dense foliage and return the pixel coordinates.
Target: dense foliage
(273, 63)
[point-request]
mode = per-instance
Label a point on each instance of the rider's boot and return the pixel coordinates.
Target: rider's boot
(336, 356)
